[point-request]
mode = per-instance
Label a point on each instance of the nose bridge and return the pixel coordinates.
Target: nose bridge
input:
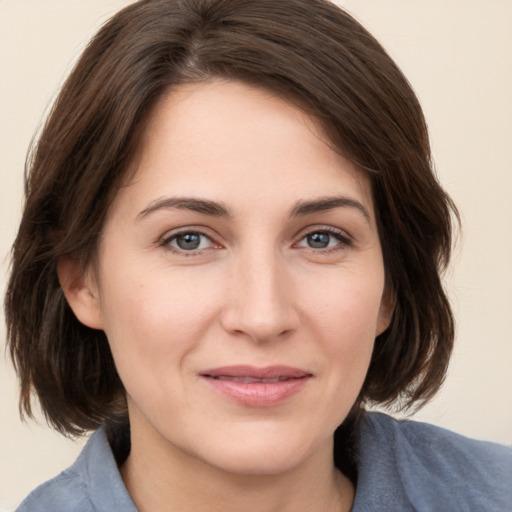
(261, 304)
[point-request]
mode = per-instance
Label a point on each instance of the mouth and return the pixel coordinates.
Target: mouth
(257, 387)
(249, 379)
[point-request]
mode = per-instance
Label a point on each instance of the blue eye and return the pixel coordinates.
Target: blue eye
(323, 240)
(188, 241)
(318, 240)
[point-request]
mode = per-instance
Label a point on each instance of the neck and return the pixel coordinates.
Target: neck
(166, 479)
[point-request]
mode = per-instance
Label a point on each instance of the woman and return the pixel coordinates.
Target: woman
(233, 241)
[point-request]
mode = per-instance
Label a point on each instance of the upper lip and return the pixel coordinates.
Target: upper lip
(254, 372)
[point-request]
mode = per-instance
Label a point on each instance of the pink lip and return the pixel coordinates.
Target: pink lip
(257, 387)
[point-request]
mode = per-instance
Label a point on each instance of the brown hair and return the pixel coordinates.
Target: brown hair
(309, 52)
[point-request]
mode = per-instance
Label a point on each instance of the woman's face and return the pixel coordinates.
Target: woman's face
(240, 282)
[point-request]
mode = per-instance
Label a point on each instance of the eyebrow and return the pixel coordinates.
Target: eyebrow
(186, 203)
(217, 209)
(329, 203)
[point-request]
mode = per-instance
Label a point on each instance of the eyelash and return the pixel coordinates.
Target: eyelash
(343, 239)
(166, 242)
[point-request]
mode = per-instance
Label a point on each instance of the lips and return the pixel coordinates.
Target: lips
(250, 379)
(257, 387)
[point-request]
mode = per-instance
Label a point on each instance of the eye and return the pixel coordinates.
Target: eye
(324, 239)
(188, 241)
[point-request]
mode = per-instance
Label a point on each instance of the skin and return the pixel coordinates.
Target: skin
(257, 291)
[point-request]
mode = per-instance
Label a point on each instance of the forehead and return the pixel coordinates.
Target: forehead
(232, 140)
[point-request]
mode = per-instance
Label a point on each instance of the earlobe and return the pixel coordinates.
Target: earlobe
(387, 308)
(81, 292)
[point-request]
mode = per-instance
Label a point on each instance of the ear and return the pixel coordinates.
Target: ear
(387, 307)
(81, 292)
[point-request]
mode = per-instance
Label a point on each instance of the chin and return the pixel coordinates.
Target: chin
(264, 453)
(259, 463)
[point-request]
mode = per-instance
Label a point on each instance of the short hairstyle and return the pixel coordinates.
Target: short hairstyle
(309, 52)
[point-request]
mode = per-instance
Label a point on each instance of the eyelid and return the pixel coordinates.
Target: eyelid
(344, 238)
(169, 236)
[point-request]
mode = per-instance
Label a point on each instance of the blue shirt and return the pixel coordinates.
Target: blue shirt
(402, 466)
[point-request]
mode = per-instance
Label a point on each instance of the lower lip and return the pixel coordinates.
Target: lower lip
(258, 394)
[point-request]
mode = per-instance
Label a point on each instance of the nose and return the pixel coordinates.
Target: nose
(260, 298)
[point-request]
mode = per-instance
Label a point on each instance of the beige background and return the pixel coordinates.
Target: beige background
(458, 56)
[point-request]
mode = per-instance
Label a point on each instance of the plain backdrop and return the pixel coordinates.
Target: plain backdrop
(458, 56)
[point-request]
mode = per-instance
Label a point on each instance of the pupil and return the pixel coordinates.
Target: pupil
(188, 241)
(318, 240)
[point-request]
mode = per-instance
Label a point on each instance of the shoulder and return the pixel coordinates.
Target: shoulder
(438, 446)
(434, 469)
(65, 492)
(92, 484)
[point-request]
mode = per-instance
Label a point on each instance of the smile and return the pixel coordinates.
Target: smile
(252, 379)
(257, 387)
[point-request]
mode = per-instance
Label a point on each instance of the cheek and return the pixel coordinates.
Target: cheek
(347, 307)
(349, 340)
(344, 320)
(154, 325)
(157, 318)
